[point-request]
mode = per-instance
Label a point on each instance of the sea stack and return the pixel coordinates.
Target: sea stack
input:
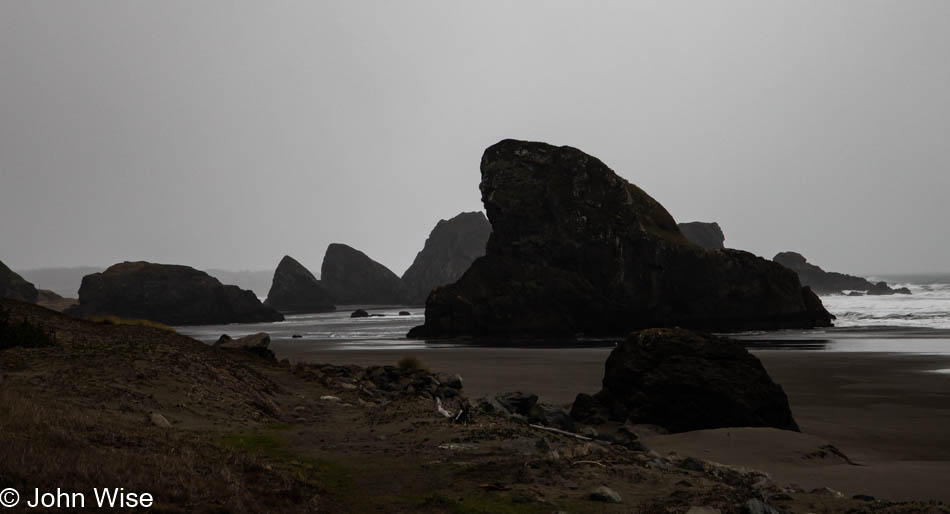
(830, 282)
(296, 290)
(575, 249)
(449, 251)
(707, 235)
(171, 294)
(353, 278)
(13, 286)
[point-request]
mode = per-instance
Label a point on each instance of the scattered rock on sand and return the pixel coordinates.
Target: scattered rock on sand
(683, 380)
(606, 495)
(754, 506)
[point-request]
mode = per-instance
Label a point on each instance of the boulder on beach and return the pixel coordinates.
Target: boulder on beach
(15, 287)
(451, 248)
(295, 290)
(170, 294)
(353, 278)
(575, 249)
(683, 380)
(707, 235)
(830, 282)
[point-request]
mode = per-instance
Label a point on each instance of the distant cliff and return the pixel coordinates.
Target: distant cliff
(451, 248)
(575, 249)
(352, 278)
(707, 235)
(171, 294)
(295, 290)
(829, 282)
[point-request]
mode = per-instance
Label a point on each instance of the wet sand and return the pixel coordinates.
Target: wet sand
(886, 412)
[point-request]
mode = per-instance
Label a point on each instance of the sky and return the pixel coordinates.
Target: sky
(227, 134)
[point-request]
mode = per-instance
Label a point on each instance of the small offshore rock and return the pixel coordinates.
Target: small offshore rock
(863, 497)
(405, 313)
(296, 336)
(359, 313)
(606, 495)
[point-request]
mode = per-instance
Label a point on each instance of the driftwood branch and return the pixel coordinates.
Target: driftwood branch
(601, 464)
(562, 432)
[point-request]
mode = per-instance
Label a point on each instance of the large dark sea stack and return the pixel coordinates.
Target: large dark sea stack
(296, 290)
(176, 295)
(707, 235)
(683, 380)
(449, 251)
(829, 282)
(353, 278)
(576, 249)
(12, 285)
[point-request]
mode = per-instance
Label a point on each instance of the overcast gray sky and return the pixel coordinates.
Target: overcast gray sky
(227, 134)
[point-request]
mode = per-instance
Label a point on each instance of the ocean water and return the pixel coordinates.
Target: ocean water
(918, 323)
(927, 307)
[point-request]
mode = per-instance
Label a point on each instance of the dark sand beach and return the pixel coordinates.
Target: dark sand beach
(888, 413)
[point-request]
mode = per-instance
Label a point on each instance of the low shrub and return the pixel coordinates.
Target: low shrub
(23, 334)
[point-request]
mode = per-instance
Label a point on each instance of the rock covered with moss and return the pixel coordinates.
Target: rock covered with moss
(576, 249)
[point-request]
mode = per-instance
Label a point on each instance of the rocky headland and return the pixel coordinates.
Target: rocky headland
(449, 251)
(575, 249)
(296, 290)
(352, 278)
(170, 294)
(830, 282)
(707, 235)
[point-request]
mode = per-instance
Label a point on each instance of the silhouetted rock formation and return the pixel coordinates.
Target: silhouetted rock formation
(449, 251)
(171, 294)
(14, 286)
(576, 249)
(353, 278)
(829, 282)
(359, 313)
(707, 235)
(683, 380)
(296, 290)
